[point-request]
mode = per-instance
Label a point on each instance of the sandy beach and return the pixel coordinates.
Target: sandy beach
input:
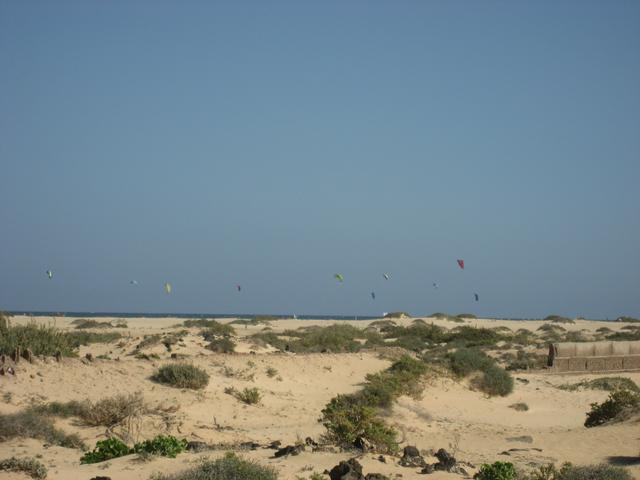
(449, 413)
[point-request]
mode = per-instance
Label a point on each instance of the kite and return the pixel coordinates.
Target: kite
(386, 276)
(167, 288)
(133, 282)
(339, 277)
(373, 295)
(239, 288)
(476, 296)
(435, 285)
(49, 274)
(461, 264)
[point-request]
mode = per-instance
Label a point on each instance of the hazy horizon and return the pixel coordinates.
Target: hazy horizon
(273, 145)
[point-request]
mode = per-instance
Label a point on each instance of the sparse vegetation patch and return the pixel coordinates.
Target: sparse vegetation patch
(29, 466)
(229, 467)
(182, 375)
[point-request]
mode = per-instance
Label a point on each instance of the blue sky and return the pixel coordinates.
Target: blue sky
(273, 144)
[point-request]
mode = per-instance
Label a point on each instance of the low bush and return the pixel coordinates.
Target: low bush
(397, 315)
(346, 420)
(250, 396)
(28, 466)
(467, 336)
(609, 384)
(214, 329)
(587, 472)
(81, 323)
(106, 450)
(625, 336)
(222, 345)
(495, 381)
(526, 360)
(33, 424)
(519, 407)
(497, 471)
(271, 372)
(229, 467)
(464, 361)
(619, 405)
(40, 339)
(149, 341)
(466, 315)
(86, 338)
(558, 319)
(182, 375)
(166, 446)
(628, 319)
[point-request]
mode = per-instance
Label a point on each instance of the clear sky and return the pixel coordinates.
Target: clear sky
(273, 144)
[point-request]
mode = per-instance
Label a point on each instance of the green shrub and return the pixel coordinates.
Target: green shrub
(229, 467)
(466, 360)
(496, 381)
(624, 336)
(519, 407)
(618, 406)
(558, 319)
(271, 372)
(346, 420)
(29, 466)
(182, 375)
(222, 345)
(166, 446)
(397, 315)
(570, 472)
(335, 338)
(497, 471)
(40, 339)
(250, 396)
(402, 378)
(149, 341)
(525, 361)
(608, 384)
(106, 450)
(81, 323)
(468, 336)
(86, 338)
(628, 319)
(32, 424)
(215, 329)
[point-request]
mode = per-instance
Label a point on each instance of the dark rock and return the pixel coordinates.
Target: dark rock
(249, 445)
(411, 457)
(275, 445)
(101, 478)
(311, 442)
(411, 451)
(446, 461)
(382, 459)
(196, 446)
(289, 450)
(349, 470)
(174, 356)
(89, 357)
(522, 380)
(428, 469)
(363, 444)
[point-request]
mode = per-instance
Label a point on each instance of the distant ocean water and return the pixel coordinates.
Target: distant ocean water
(187, 315)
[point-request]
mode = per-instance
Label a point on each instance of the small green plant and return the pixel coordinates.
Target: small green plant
(222, 345)
(496, 471)
(166, 446)
(496, 381)
(106, 450)
(182, 375)
(250, 396)
(586, 472)
(618, 406)
(519, 407)
(271, 372)
(558, 319)
(29, 466)
(609, 384)
(229, 467)
(33, 424)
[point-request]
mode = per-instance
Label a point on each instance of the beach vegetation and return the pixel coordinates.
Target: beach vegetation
(30, 423)
(222, 345)
(497, 471)
(211, 328)
(628, 319)
(162, 445)
(519, 407)
(494, 379)
(397, 315)
(522, 360)
(585, 472)
(182, 375)
(250, 396)
(106, 450)
(82, 323)
(466, 315)
(558, 319)
(271, 372)
(625, 336)
(620, 405)
(609, 384)
(29, 466)
(40, 339)
(86, 338)
(229, 467)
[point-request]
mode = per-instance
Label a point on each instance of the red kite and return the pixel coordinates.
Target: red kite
(461, 264)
